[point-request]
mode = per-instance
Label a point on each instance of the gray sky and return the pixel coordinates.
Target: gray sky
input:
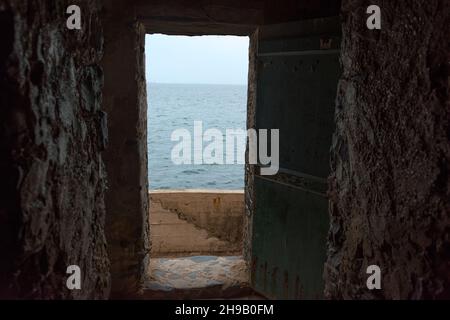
(205, 59)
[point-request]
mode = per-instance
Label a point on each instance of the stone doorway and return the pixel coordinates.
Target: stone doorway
(128, 225)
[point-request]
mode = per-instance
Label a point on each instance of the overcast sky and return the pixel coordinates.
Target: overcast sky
(205, 59)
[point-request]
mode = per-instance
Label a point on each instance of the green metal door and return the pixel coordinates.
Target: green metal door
(297, 74)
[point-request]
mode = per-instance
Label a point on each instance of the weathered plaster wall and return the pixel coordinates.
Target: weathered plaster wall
(196, 222)
(390, 195)
(249, 192)
(52, 173)
(217, 211)
(125, 101)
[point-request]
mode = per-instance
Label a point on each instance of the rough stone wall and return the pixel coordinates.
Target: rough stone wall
(390, 195)
(52, 174)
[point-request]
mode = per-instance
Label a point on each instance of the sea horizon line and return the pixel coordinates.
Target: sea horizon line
(200, 84)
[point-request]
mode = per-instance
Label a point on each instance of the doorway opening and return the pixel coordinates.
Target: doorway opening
(197, 113)
(292, 82)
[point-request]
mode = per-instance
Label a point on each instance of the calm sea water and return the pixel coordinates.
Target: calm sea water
(174, 106)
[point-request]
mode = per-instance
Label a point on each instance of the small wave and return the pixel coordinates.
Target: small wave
(190, 172)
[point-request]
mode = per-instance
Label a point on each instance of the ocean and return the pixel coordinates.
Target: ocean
(177, 106)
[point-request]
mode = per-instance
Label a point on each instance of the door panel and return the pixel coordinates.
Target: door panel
(297, 73)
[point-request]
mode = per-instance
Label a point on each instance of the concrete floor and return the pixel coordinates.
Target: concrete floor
(198, 277)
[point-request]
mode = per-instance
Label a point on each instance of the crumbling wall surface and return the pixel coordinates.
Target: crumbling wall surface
(52, 174)
(389, 189)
